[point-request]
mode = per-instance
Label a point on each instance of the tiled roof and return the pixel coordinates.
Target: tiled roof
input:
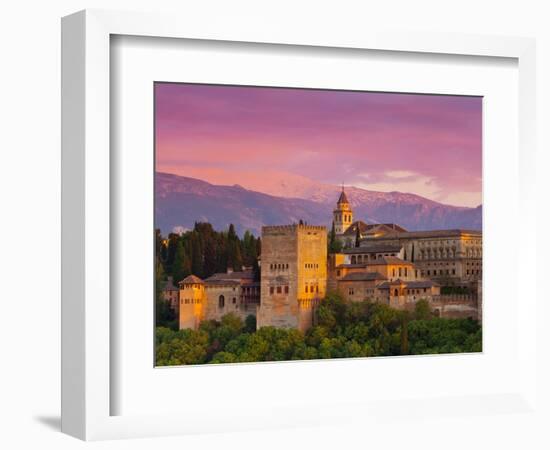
(210, 282)
(343, 198)
(435, 233)
(388, 260)
(243, 275)
(350, 266)
(408, 284)
(373, 248)
(191, 279)
(363, 276)
(366, 228)
(421, 284)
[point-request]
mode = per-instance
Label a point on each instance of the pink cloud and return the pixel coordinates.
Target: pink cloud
(327, 136)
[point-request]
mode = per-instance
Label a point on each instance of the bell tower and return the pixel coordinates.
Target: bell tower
(343, 214)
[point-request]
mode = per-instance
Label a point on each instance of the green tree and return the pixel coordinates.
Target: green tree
(182, 265)
(334, 244)
(404, 332)
(422, 310)
(173, 240)
(197, 258)
(164, 315)
(234, 256)
(250, 324)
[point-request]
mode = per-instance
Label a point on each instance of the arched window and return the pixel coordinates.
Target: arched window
(396, 292)
(221, 301)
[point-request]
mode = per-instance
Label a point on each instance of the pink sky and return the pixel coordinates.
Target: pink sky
(428, 145)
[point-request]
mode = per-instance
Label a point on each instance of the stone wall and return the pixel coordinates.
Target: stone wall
(192, 303)
(294, 265)
(448, 258)
(221, 300)
(455, 306)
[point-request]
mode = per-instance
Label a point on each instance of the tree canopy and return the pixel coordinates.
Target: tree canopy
(342, 330)
(204, 251)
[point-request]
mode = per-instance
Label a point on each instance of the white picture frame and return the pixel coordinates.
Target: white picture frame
(86, 219)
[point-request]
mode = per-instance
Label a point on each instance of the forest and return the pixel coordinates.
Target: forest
(203, 251)
(342, 330)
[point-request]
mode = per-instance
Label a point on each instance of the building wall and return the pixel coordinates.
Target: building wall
(358, 291)
(215, 308)
(405, 271)
(456, 306)
(192, 304)
(448, 259)
(312, 271)
(343, 218)
(203, 303)
(406, 298)
(334, 260)
(172, 296)
(293, 272)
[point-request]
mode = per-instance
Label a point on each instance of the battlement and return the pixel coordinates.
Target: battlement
(269, 229)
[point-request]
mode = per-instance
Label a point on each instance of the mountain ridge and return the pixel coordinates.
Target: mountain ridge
(181, 201)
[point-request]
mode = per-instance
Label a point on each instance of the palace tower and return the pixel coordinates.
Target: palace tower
(294, 275)
(192, 302)
(343, 214)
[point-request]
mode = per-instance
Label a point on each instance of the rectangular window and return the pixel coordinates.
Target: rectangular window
(286, 289)
(271, 290)
(306, 289)
(279, 289)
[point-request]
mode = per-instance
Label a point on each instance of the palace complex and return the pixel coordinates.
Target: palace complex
(378, 262)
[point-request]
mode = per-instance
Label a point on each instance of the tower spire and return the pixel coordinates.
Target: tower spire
(343, 214)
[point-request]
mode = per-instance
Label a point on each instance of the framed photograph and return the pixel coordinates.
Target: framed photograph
(261, 256)
(255, 216)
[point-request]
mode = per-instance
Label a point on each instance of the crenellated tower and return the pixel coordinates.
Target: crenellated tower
(343, 214)
(294, 275)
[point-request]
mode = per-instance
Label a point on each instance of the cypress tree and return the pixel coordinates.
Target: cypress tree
(234, 254)
(196, 255)
(178, 268)
(405, 333)
(332, 236)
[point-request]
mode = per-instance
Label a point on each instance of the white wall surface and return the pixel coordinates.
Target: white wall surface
(30, 236)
